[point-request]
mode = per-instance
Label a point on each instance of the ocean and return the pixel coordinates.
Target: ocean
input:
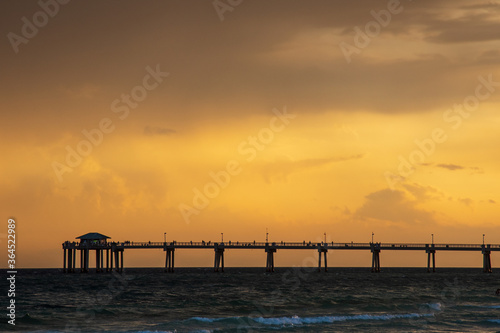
(250, 300)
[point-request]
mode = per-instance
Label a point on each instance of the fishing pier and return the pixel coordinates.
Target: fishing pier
(109, 255)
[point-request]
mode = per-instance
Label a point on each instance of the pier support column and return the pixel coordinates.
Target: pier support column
(270, 260)
(64, 262)
(375, 248)
(173, 260)
(101, 254)
(169, 260)
(486, 261)
(219, 257)
(117, 261)
(215, 261)
(429, 253)
(326, 264)
(107, 260)
(97, 261)
(82, 261)
(86, 255)
(324, 252)
(74, 261)
(121, 261)
(111, 254)
(70, 259)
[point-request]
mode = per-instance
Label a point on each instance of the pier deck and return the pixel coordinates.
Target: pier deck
(108, 250)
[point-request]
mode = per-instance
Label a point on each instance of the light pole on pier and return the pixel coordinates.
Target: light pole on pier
(222, 236)
(432, 235)
(325, 236)
(483, 239)
(165, 237)
(267, 236)
(372, 236)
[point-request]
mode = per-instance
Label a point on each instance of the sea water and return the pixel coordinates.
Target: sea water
(251, 300)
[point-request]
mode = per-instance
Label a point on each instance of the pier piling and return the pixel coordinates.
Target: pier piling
(486, 261)
(121, 260)
(107, 260)
(117, 260)
(270, 259)
(86, 255)
(74, 261)
(101, 254)
(429, 253)
(112, 251)
(375, 248)
(70, 259)
(169, 259)
(97, 261)
(322, 250)
(64, 261)
(219, 257)
(81, 260)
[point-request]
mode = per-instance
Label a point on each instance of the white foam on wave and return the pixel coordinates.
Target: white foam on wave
(435, 306)
(296, 320)
(156, 331)
(207, 320)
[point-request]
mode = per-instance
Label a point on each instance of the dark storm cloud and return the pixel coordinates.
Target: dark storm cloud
(474, 28)
(252, 61)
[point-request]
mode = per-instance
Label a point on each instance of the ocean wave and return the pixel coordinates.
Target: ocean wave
(211, 320)
(483, 306)
(27, 319)
(161, 331)
(496, 321)
(296, 320)
(435, 306)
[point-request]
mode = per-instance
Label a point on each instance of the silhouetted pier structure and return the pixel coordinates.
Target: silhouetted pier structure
(104, 249)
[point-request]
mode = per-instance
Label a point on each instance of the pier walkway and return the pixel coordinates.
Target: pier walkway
(113, 252)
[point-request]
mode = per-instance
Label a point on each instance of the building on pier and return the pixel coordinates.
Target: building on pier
(104, 253)
(93, 238)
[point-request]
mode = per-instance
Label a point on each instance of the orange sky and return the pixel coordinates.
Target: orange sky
(116, 115)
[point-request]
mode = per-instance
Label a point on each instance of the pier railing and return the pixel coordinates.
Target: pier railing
(289, 245)
(110, 250)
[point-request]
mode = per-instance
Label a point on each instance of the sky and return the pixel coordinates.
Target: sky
(196, 118)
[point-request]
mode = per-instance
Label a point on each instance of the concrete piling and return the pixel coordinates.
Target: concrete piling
(486, 261)
(169, 259)
(270, 259)
(322, 250)
(429, 254)
(219, 257)
(375, 249)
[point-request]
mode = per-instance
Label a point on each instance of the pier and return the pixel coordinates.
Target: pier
(105, 251)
